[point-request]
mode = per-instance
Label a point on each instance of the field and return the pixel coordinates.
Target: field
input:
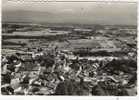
(70, 39)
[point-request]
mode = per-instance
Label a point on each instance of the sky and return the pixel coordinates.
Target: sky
(70, 12)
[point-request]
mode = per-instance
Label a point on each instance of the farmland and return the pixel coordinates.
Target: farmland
(48, 57)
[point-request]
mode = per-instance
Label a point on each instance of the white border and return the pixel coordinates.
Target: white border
(72, 97)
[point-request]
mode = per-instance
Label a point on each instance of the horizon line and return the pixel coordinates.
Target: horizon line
(68, 23)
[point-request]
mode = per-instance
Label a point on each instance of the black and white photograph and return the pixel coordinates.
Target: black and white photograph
(69, 48)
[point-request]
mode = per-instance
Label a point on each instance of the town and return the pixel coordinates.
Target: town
(69, 59)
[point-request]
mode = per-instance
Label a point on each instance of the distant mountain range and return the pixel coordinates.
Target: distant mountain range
(55, 17)
(25, 16)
